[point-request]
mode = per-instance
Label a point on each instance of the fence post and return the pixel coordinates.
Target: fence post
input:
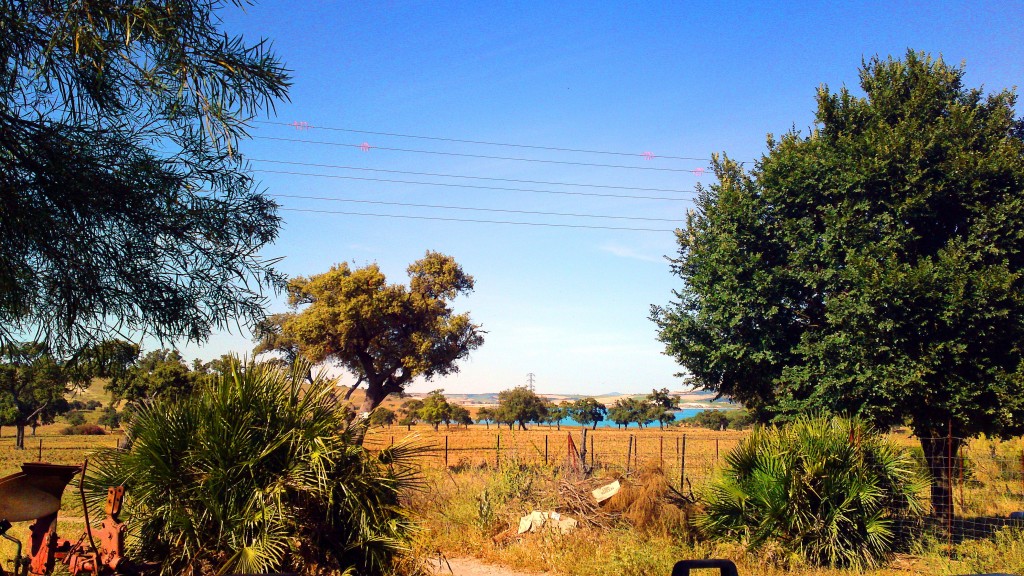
(40, 450)
(716, 450)
(661, 452)
(629, 452)
(446, 451)
(592, 453)
(636, 453)
(497, 452)
(949, 484)
(682, 464)
(546, 449)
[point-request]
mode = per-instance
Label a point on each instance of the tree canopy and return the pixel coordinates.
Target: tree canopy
(33, 386)
(125, 206)
(587, 411)
(871, 267)
(385, 334)
(520, 405)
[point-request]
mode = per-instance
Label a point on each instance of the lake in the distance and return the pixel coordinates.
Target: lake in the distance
(680, 414)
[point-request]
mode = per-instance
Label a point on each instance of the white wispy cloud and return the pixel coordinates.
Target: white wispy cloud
(627, 252)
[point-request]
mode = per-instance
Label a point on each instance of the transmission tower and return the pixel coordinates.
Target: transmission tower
(529, 381)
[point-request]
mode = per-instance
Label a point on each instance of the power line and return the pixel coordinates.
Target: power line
(546, 182)
(475, 187)
(582, 226)
(367, 148)
(307, 126)
(506, 211)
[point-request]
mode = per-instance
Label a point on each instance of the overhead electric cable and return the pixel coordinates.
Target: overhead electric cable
(307, 126)
(438, 175)
(475, 187)
(367, 148)
(583, 226)
(507, 211)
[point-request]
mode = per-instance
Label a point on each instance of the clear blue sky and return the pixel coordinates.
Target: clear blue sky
(673, 79)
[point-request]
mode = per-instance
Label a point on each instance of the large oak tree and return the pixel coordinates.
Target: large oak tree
(384, 334)
(872, 267)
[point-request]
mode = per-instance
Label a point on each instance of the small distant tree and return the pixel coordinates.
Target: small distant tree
(460, 415)
(74, 418)
(555, 413)
(485, 415)
(712, 419)
(410, 412)
(93, 405)
(520, 405)
(435, 409)
(663, 405)
(110, 418)
(32, 387)
(381, 416)
(587, 411)
(160, 373)
(620, 414)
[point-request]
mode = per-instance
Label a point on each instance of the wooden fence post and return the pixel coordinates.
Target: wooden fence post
(497, 452)
(545, 449)
(661, 452)
(446, 451)
(682, 464)
(716, 450)
(629, 452)
(592, 453)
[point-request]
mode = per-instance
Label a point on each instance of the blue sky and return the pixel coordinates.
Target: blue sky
(673, 79)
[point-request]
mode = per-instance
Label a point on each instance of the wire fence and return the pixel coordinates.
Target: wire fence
(977, 484)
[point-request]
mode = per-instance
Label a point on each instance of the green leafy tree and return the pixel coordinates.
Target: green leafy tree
(435, 409)
(587, 411)
(485, 415)
(520, 405)
(74, 418)
(663, 406)
(110, 418)
(620, 414)
(410, 412)
(127, 206)
(870, 267)
(158, 373)
(460, 415)
(382, 417)
(385, 334)
(33, 386)
(555, 413)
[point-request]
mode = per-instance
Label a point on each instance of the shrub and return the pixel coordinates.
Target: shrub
(258, 471)
(75, 418)
(93, 405)
(83, 430)
(829, 490)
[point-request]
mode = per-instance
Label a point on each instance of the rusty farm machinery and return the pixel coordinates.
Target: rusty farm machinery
(34, 494)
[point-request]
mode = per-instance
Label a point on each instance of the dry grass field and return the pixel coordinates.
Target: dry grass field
(495, 475)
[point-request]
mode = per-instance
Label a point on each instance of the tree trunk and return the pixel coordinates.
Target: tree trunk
(594, 427)
(941, 454)
(19, 436)
(522, 425)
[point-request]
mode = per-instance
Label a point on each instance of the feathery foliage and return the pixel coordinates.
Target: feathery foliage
(257, 472)
(828, 490)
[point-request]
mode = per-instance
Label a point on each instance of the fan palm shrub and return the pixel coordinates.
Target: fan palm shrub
(257, 472)
(828, 490)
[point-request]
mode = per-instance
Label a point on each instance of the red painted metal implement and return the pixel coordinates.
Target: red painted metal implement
(35, 494)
